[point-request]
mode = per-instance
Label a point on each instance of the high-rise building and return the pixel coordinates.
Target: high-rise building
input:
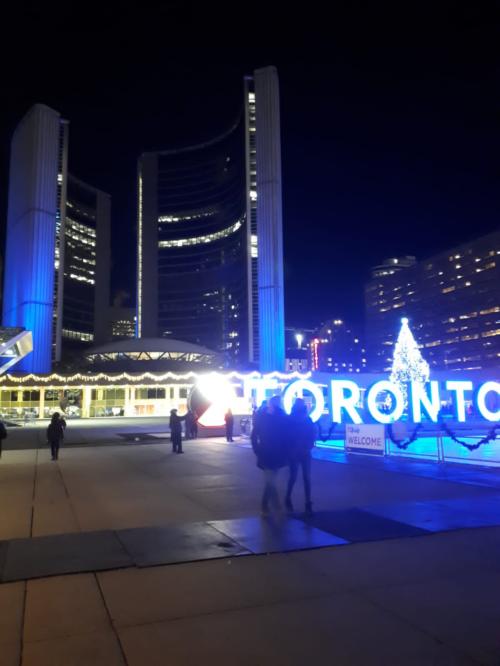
(452, 301)
(121, 322)
(85, 298)
(337, 346)
(210, 252)
(57, 247)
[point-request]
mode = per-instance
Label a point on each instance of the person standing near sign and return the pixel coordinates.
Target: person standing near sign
(191, 425)
(229, 421)
(270, 436)
(302, 440)
(176, 431)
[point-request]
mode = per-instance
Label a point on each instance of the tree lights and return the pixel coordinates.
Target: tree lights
(408, 364)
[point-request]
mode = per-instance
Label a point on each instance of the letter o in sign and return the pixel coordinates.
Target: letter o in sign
(399, 406)
(295, 389)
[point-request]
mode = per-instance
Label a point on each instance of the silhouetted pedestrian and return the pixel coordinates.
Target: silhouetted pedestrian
(55, 434)
(3, 435)
(191, 426)
(176, 431)
(270, 444)
(302, 440)
(258, 412)
(229, 421)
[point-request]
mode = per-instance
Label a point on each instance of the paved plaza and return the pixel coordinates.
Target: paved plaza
(124, 553)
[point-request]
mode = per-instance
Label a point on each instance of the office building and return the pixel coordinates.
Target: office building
(452, 301)
(337, 346)
(57, 245)
(210, 252)
(85, 298)
(121, 322)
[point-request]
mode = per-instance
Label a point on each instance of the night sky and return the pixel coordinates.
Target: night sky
(390, 128)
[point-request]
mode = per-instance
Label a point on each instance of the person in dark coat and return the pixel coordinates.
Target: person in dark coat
(3, 435)
(229, 421)
(259, 411)
(270, 436)
(302, 440)
(176, 431)
(55, 434)
(191, 426)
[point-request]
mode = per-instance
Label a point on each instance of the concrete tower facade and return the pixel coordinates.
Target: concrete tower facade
(57, 259)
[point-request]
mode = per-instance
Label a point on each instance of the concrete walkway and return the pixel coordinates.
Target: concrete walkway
(381, 599)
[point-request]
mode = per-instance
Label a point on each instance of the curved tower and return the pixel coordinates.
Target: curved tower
(197, 220)
(210, 257)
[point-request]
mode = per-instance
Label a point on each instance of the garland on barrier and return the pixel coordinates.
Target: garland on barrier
(401, 443)
(491, 436)
(326, 436)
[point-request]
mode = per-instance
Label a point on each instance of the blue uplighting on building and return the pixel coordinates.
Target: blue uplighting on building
(28, 297)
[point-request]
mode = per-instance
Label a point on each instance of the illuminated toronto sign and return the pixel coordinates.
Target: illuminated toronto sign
(384, 402)
(345, 401)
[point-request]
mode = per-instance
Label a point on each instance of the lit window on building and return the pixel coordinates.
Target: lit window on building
(77, 335)
(254, 246)
(200, 240)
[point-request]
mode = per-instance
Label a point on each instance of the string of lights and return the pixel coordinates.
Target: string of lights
(157, 377)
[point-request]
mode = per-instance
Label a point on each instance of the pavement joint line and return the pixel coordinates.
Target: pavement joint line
(401, 618)
(352, 592)
(73, 510)
(110, 619)
(236, 609)
(23, 620)
(35, 479)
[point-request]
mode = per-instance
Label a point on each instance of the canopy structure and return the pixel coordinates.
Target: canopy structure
(151, 354)
(15, 344)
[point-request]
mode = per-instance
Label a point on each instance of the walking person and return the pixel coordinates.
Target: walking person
(302, 440)
(176, 431)
(55, 434)
(270, 444)
(229, 421)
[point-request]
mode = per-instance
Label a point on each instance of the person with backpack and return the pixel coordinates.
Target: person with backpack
(55, 434)
(302, 440)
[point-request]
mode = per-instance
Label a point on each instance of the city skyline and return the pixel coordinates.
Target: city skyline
(382, 156)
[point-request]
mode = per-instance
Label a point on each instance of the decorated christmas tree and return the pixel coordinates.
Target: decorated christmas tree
(407, 363)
